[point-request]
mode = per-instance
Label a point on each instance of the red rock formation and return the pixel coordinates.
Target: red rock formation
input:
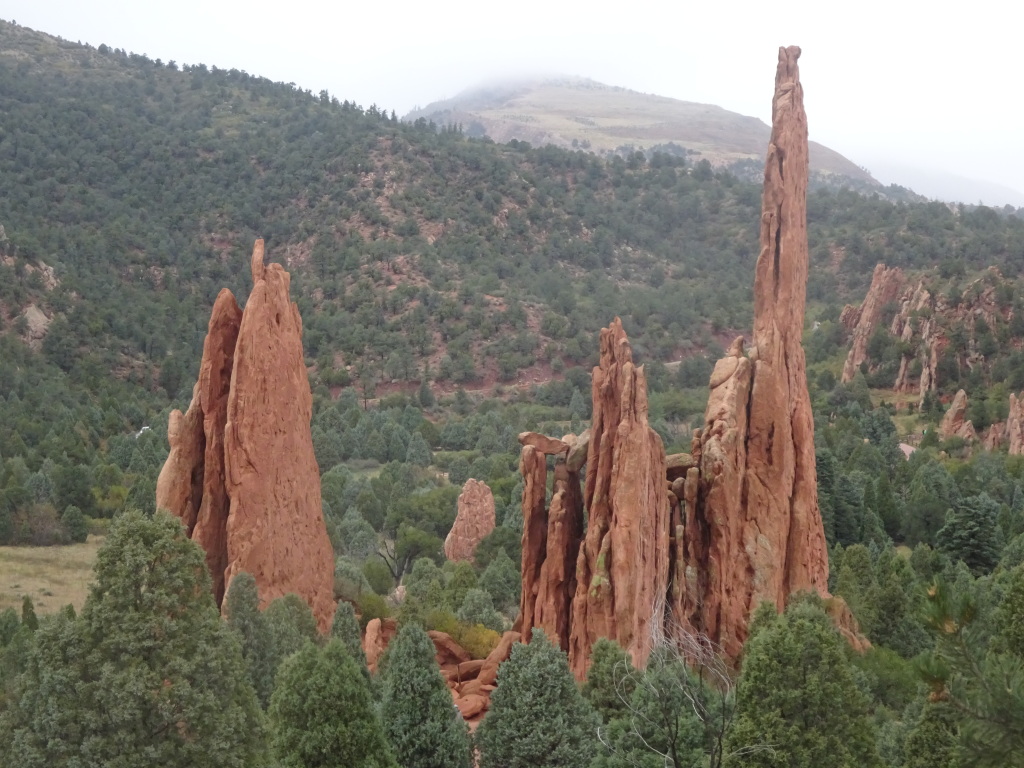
(994, 436)
(757, 532)
(473, 521)
(954, 422)
(1015, 426)
(547, 445)
(378, 635)
(557, 582)
(886, 285)
(534, 469)
(622, 568)
(241, 473)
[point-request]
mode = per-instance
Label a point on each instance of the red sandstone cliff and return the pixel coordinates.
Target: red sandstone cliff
(886, 285)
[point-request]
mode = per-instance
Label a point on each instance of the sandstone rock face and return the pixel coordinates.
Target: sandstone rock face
(955, 422)
(693, 544)
(473, 521)
(886, 285)
(241, 473)
(622, 567)
(547, 445)
(1015, 426)
(757, 532)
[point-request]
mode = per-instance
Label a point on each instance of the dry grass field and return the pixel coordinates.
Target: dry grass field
(51, 576)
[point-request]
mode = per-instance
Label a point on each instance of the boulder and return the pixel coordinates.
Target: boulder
(448, 651)
(376, 638)
(473, 521)
(550, 446)
(488, 674)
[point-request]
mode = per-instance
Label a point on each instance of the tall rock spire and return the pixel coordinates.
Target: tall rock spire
(757, 519)
(241, 472)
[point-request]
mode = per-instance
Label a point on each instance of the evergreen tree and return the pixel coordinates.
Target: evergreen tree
(797, 698)
(242, 609)
(538, 718)
(502, 581)
(147, 675)
(477, 608)
(610, 684)
(345, 628)
(291, 624)
(933, 742)
(931, 493)
(419, 452)
(416, 706)
(322, 714)
(971, 533)
(28, 614)
(75, 524)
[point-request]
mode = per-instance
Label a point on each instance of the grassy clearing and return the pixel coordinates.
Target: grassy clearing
(51, 576)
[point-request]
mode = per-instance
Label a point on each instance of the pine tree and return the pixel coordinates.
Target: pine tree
(538, 718)
(502, 581)
(971, 533)
(345, 628)
(797, 704)
(322, 713)
(147, 675)
(242, 610)
(609, 686)
(933, 742)
(416, 706)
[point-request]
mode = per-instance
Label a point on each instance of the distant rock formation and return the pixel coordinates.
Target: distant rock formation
(241, 473)
(1015, 426)
(955, 422)
(696, 542)
(473, 521)
(886, 285)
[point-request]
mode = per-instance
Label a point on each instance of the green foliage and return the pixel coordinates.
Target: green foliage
(291, 624)
(242, 610)
(322, 714)
(971, 533)
(416, 706)
(147, 675)
(345, 627)
(609, 685)
(478, 608)
(28, 614)
(538, 718)
(933, 742)
(796, 701)
(75, 524)
(502, 581)
(987, 688)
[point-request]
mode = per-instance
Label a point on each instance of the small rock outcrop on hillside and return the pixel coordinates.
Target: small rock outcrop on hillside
(241, 473)
(693, 542)
(862, 321)
(928, 329)
(955, 422)
(473, 521)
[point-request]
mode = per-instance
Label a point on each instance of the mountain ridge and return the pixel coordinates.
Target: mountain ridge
(575, 112)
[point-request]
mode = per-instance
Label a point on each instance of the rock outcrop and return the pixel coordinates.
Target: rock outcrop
(757, 532)
(1015, 426)
(695, 543)
(955, 422)
(473, 521)
(886, 285)
(241, 473)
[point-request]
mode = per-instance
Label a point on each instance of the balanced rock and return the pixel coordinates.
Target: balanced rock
(241, 473)
(474, 520)
(551, 446)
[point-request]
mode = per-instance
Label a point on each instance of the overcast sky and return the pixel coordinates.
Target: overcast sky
(908, 89)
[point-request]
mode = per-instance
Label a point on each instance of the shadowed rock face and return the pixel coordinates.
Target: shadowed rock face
(886, 285)
(241, 473)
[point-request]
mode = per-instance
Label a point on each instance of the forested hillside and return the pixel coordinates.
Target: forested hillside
(451, 290)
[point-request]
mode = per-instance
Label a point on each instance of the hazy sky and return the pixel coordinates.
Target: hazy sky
(930, 87)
